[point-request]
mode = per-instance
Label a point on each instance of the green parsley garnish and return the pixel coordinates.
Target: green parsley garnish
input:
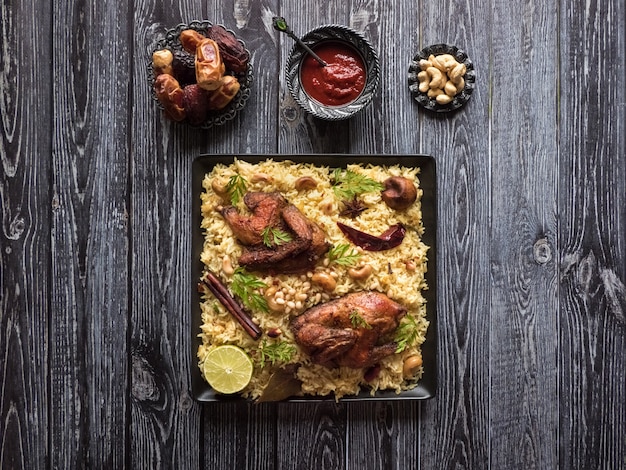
(236, 187)
(275, 237)
(348, 184)
(406, 334)
(245, 286)
(358, 321)
(343, 255)
(276, 352)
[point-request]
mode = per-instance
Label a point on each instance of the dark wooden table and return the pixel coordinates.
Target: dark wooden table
(95, 359)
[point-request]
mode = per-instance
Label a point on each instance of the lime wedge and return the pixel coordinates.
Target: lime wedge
(228, 369)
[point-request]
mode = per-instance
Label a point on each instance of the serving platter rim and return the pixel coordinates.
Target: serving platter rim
(427, 386)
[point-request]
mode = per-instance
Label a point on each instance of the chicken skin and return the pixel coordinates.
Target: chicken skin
(307, 241)
(265, 211)
(353, 331)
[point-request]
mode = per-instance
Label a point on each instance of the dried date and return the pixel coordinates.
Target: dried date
(190, 39)
(209, 65)
(183, 68)
(196, 104)
(233, 53)
(170, 94)
(223, 95)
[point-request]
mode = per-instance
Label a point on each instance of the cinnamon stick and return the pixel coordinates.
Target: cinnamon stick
(220, 291)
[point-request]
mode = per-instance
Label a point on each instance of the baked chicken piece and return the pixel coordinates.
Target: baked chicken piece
(306, 244)
(355, 330)
(265, 211)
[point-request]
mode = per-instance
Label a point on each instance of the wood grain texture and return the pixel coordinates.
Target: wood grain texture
(454, 428)
(95, 357)
(523, 400)
(25, 148)
(592, 231)
(311, 436)
(89, 279)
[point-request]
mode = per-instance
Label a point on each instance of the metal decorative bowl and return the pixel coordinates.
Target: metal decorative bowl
(430, 103)
(172, 42)
(347, 36)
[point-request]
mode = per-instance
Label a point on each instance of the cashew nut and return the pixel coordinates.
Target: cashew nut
(424, 64)
(434, 92)
(460, 84)
(260, 178)
(450, 61)
(424, 81)
(324, 280)
(424, 85)
(272, 301)
(327, 206)
(305, 182)
(450, 88)
(219, 188)
(440, 62)
(411, 365)
(441, 77)
(437, 78)
(443, 98)
(360, 273)
(458, 71)
(227, 266)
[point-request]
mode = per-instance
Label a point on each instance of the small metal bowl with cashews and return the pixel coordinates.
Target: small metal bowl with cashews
(441, 78)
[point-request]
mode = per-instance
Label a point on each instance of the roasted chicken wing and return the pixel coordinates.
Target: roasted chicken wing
(307, 241)
(265, 211)
(354, 331)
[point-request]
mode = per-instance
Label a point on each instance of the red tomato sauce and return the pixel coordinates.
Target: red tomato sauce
(341, 81)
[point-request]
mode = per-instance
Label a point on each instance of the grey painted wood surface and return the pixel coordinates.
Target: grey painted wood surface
(94, 323)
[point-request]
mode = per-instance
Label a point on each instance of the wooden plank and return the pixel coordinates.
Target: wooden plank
(311, 436)
(592, 230)
(239, 435)
(244, 436)
(454, 428)
(89, 297)
(25, 148)
(390, 430)
(523, 394)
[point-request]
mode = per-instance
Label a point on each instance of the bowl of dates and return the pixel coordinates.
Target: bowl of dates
(200, 74)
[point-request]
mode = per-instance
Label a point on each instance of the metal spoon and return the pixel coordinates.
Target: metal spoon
(281, 25)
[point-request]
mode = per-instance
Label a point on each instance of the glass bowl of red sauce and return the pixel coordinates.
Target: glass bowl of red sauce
(345, 85)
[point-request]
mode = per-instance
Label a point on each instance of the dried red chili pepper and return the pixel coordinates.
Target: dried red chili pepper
(390, 238)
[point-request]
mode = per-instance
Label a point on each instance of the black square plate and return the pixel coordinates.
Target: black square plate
(204, 164)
